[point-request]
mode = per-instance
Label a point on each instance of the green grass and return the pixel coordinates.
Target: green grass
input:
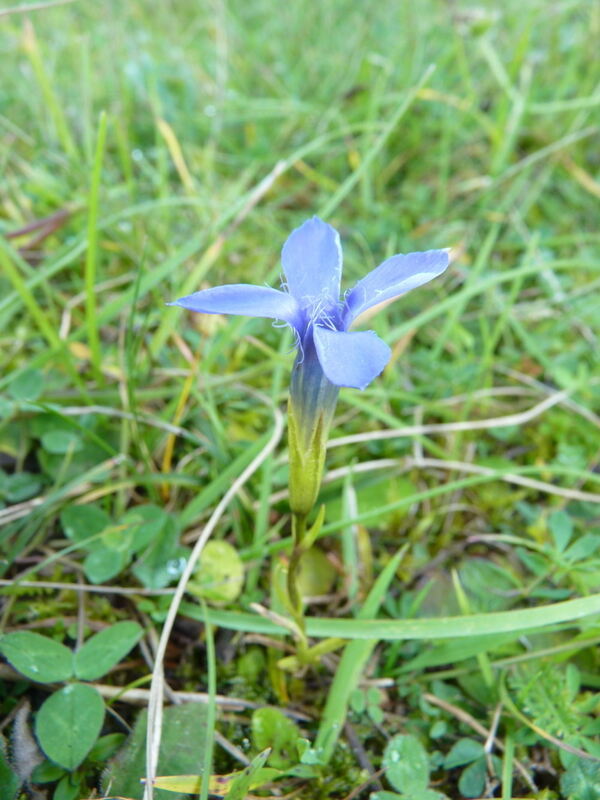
(182, 142)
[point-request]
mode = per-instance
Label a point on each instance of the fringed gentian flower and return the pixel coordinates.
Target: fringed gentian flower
(329, 354)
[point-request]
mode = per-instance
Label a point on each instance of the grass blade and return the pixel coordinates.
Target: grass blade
(91, 260)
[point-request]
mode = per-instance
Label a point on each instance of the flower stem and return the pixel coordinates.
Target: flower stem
(293, 589)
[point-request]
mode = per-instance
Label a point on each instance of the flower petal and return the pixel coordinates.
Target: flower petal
(395, 276)
(246, 300)
(350, 359)
(312, 263)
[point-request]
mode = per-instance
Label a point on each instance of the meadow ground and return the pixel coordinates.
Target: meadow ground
(151, 149)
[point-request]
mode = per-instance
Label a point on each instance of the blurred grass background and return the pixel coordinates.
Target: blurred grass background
(147, 150)
(203, 100)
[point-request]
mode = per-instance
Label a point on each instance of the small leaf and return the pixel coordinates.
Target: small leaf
(69, 788)
(81, 522)
(581, 781)
(146, 524)
(487, 585)
(376, 714)
(61, 441)
(68, 724)
(472, 780)
(163, 559)
(374, 696)
(463, 752)
(27, 386)
(358, 701)
(47, 772)
(154, 533)
(105, 649)
(21, 486)
(272, 729)
(37, 657)
(103, 564)
(310, 537)
(317, 573)
(561, 528)
(9, 780)
(535, 562)
(438, 729)
(406, 764)
(426, 794)
(588, 545)
(106, 746)
(117, 537)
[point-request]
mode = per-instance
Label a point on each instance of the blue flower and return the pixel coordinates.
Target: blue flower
(329, 354)
(310, 302)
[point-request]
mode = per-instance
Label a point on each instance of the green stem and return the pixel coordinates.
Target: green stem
(293, 589)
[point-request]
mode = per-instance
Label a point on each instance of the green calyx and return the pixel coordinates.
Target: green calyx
(307, 460)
